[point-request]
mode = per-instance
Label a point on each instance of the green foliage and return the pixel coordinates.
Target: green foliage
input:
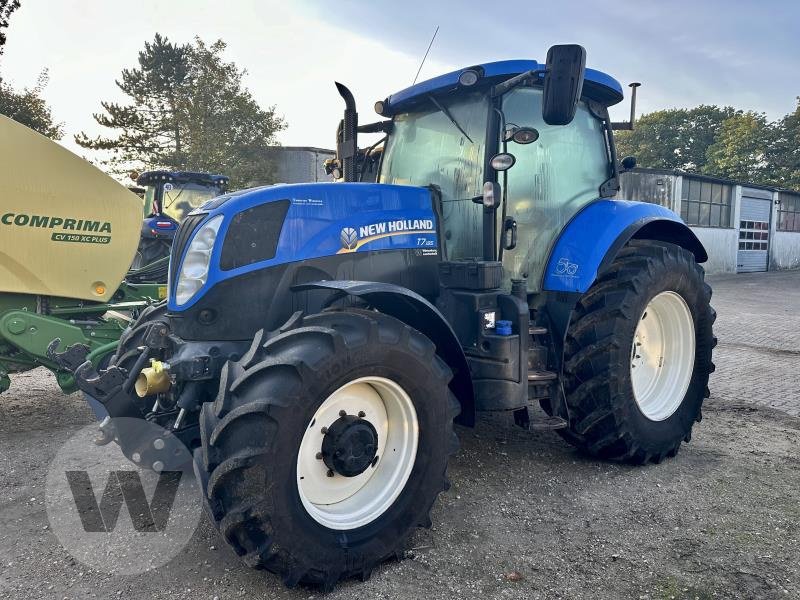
(677, 138)
(722, 142)
(6, 8)
(29, 108)
(783, 152)
(739, 149)
(188, 110)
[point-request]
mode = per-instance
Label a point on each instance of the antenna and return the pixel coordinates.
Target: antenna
(426, 55)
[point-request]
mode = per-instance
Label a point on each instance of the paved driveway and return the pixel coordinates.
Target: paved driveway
(758, 326)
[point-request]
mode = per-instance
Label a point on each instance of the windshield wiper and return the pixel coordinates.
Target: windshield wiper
(451, 117)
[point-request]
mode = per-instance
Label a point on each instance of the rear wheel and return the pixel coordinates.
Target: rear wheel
(638, 355)
(327, 445)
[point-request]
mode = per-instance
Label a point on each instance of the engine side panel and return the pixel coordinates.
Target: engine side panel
(343, 223)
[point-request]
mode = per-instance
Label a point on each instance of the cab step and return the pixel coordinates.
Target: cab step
(541, 422)
(536, 330)
(536, 377)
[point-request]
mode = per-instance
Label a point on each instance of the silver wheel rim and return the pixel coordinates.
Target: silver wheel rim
(662, 356)
(340, 502)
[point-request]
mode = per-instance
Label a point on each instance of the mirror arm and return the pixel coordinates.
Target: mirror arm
(377, 127)
(503, 87)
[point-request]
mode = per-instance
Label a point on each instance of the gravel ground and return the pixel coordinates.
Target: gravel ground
(527, 516)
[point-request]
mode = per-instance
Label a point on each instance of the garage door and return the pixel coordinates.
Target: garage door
(753, 254)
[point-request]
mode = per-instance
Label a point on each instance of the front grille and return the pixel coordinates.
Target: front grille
(182, 237)
(252, 235)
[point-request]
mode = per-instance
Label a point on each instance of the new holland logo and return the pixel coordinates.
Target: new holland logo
(349, 238)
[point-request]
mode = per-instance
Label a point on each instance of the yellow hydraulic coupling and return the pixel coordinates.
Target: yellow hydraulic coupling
(153, 379)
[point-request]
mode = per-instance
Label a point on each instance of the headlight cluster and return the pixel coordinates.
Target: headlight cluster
(194, 268)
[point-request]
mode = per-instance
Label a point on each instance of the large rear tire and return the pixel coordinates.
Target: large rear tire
(327, 445)
(638, 355)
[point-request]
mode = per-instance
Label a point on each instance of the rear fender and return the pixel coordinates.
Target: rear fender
(415, 311)
(592, 239)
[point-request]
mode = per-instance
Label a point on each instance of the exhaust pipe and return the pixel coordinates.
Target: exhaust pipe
(633, 87)
(347, 147)
(628, 125)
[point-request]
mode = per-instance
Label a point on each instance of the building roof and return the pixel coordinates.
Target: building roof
(597, 85)
(713, 179)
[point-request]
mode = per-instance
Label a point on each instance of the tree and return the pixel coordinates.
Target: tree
(6, 8)
(676, 138)
(740, 148)
(783, 153)
(29, 108)
(188, 110)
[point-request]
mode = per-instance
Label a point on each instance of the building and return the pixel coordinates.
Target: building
(300, 164)
(744, 227)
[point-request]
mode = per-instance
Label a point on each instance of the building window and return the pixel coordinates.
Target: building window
(753, 235)
(706, 204)
(788, 212)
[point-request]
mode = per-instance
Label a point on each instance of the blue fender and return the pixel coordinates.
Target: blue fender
(415, 311)
(591, 240)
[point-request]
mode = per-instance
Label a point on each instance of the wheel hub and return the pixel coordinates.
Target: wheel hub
(350, 445)
(662, 355)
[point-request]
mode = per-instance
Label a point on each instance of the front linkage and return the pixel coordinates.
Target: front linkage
(191, 366)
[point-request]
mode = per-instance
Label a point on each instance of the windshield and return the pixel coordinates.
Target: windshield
(149, 198)
(426, 148)
(182, 198)
(552, 179)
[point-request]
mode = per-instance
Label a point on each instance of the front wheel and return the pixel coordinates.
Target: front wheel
(328, 445)
(638, 355)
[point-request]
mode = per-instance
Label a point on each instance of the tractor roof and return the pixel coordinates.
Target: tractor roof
(151, 177)
(597, 85)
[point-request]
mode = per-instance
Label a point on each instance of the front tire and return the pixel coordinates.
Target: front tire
(638, 355)
(303, 425)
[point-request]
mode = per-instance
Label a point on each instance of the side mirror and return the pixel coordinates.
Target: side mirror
(563, 83)
(628, 163)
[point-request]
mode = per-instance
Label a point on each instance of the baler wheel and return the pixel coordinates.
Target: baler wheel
(638, 355)
(328, 445)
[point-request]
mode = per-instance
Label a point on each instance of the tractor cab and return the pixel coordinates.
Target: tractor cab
(467, 131)
(168, 197)
(177, 193)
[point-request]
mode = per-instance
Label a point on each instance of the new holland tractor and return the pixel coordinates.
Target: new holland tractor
(320, 341)
(169, 196)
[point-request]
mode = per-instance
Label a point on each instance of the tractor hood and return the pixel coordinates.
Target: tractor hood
(276, 225)
(66, 228)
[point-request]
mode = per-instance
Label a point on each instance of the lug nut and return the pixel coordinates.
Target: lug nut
(324, 430)
(361, 414)
(342, 413)
(158, 466)
(319, 456)
(136, 457)
(330, 473)
(158, 444)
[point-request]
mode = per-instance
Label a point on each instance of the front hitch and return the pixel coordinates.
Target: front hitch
(148, 446)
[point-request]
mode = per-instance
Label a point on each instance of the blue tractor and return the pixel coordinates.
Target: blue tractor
(320, 341)
(169, 196)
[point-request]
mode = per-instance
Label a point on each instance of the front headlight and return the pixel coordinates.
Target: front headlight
(194, 268)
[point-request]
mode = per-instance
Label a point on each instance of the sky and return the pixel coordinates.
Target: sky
(729, 52)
